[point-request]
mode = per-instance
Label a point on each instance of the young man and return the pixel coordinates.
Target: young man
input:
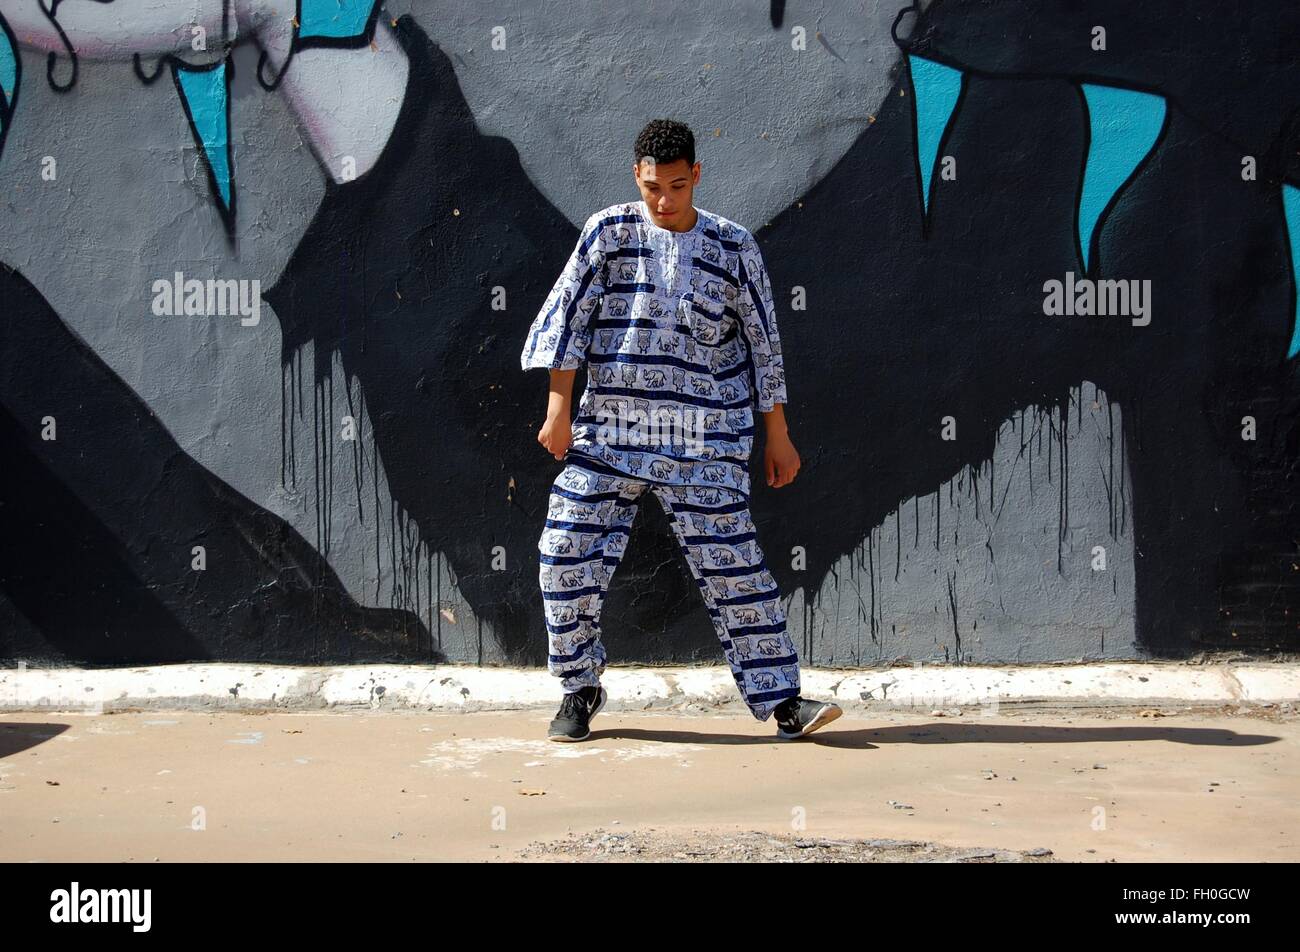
(671, 308)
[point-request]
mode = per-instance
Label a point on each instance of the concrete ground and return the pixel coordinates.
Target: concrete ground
(1088, 785)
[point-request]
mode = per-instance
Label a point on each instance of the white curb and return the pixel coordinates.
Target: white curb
(242, 687)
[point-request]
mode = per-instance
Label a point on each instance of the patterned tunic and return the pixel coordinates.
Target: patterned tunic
(679, 334)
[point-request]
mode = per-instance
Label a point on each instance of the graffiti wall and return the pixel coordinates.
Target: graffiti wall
(266, 267)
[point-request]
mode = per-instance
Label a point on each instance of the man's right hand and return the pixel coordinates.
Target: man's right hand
(556, 434)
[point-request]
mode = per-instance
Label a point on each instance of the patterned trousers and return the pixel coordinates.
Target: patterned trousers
(588, 519)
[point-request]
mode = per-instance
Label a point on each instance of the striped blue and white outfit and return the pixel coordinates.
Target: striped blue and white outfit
(679, 334)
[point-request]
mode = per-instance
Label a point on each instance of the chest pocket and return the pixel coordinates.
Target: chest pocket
(706, 319)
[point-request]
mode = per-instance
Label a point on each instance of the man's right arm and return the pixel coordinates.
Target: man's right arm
(561, 333)
(557, 432)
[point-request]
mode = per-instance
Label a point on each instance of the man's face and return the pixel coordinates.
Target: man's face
(667, 190)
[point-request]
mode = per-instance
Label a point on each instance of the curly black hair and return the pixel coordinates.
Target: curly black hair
(665, 140)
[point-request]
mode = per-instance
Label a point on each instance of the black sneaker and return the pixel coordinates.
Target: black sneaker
(576, 711)
(798, 716)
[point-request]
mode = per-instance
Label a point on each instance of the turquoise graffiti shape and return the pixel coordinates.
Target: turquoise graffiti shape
(8, 67)
(935, 91)
(9, 71)
(336, 19)
(205, 92)
(1124, 125)
(1291, 210)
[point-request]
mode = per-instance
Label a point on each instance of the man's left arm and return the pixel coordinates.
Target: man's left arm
(757, 313)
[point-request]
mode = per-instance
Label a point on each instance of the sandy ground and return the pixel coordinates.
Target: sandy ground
(1031, 785)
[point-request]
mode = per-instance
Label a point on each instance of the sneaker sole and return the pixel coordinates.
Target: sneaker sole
(566, 739)
(827, 714)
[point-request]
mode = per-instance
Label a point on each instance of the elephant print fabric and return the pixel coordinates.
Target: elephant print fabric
(679, 334)
(588, 520)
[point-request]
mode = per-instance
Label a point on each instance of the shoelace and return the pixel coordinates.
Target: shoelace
(572, 704)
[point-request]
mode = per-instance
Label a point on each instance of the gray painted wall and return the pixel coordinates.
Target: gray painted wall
(132, 203)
